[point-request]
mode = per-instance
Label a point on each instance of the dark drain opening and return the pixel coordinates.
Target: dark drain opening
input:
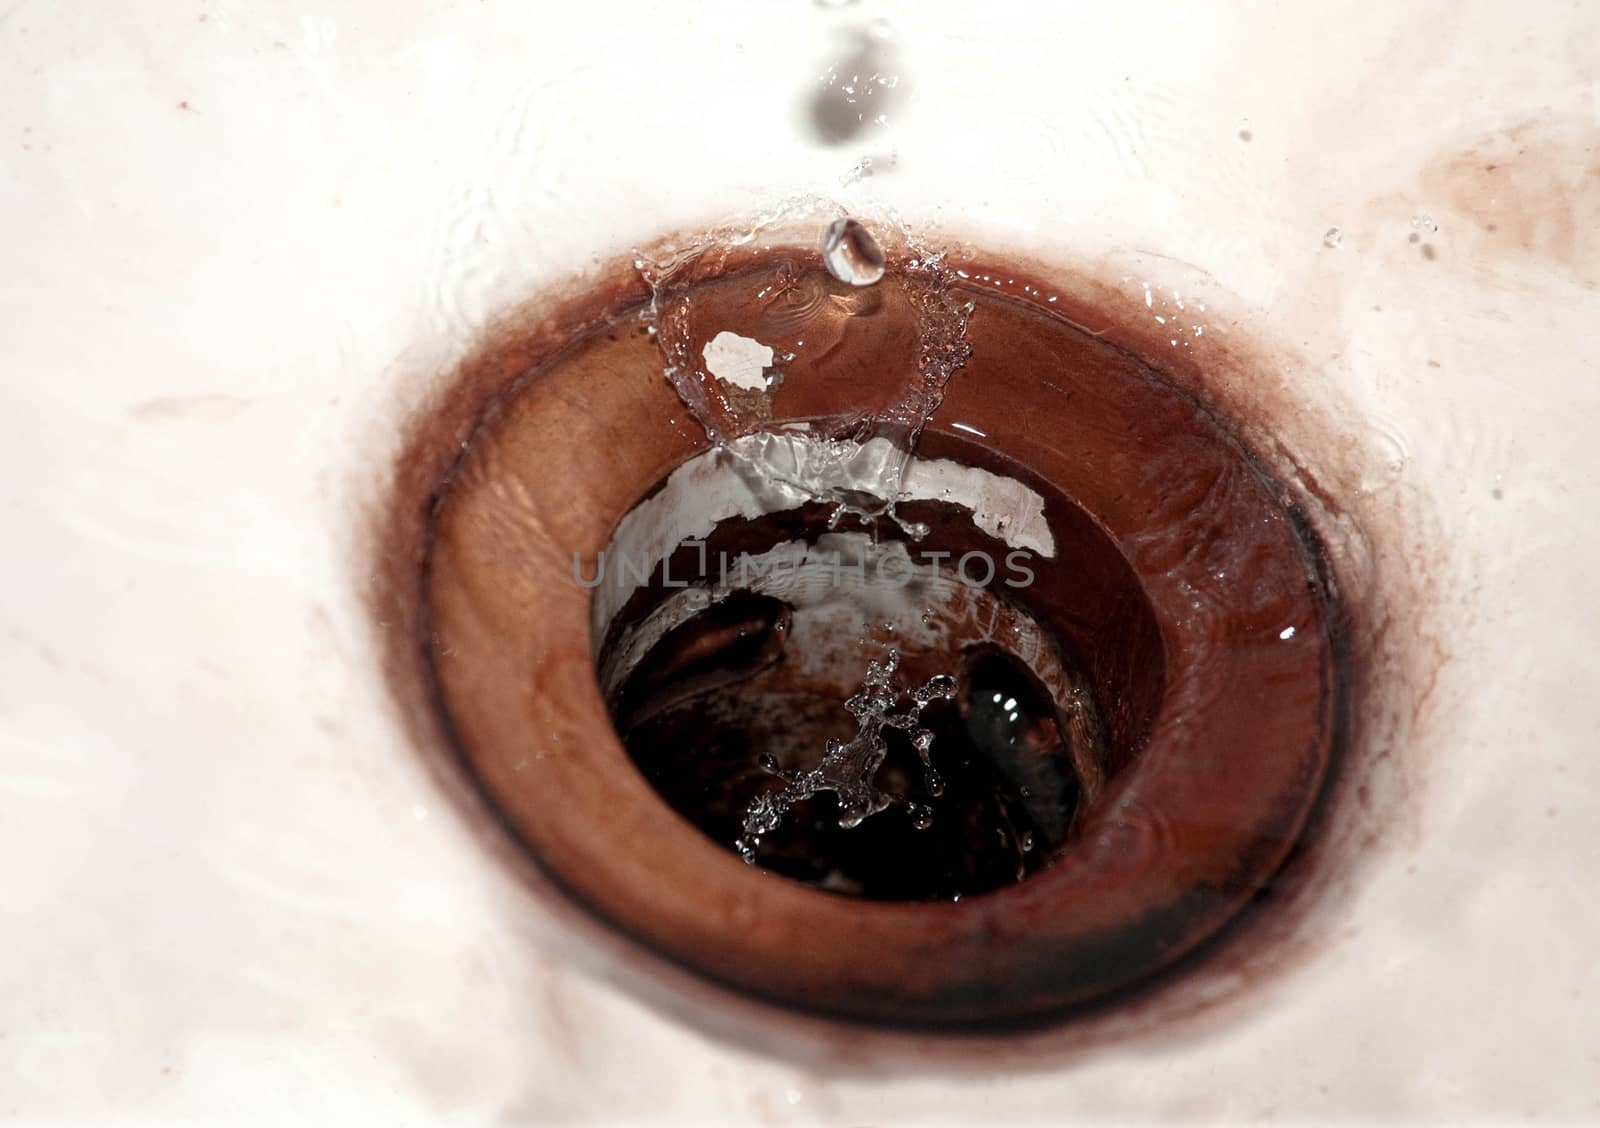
(1002, 812)
(719, 706)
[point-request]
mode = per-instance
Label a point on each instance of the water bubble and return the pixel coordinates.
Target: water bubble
(851, 253)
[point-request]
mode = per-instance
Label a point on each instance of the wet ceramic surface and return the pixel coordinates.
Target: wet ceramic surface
(244, 242)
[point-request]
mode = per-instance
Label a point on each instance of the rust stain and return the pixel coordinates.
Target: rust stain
(1528, 191)
(1262, 389)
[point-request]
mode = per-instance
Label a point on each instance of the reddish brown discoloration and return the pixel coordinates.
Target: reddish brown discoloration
(1241, 382)
(1529, 191)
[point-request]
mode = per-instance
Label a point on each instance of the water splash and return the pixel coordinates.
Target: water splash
(848, 767)
(793, 304)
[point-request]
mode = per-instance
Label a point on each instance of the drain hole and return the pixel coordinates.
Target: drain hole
(737, 676)
(1132, 674)
(999, 806)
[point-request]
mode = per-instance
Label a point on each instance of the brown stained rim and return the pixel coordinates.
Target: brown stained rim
(1240, 746)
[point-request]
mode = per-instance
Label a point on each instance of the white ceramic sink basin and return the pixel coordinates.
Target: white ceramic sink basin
(243, 241)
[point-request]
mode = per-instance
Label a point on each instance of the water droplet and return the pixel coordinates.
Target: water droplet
(851, 253)
(921, 817)
(769, 764)
(941, 685)
(1026, 842)
(859, 171)
(935, 783)
(1332, 238)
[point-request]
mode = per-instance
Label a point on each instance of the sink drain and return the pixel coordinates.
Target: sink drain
(1127, 746)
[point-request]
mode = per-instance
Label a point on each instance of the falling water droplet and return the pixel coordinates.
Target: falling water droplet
(769, 764)
(935, 783)
(851, 253)
(921, 817)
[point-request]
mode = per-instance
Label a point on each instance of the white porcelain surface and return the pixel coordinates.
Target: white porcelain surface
(241, 239)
